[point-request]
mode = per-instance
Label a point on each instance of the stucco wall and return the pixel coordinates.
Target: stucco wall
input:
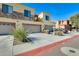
(42, 16)
(19, 23)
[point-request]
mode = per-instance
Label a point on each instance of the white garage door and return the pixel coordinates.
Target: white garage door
(32, 28)
(6, 28)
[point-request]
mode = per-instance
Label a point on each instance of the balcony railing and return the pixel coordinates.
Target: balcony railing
(16, 15)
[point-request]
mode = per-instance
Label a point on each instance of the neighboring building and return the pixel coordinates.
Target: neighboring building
(46, 20)
(14, 15)
(62, 23)
(44, 16)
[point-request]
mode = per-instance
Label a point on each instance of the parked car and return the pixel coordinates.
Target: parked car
(51, 30)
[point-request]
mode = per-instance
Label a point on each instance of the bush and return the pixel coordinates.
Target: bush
(45, 31)
(60, 33)
(21, 35)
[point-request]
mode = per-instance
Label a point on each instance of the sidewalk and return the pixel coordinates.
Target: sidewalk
(43, 41)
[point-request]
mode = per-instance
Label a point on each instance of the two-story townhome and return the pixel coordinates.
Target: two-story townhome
(46, 20)
(15, 15)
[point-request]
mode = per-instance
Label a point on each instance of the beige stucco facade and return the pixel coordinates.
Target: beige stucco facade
(19, 23)
(42, 15)
(47, 23)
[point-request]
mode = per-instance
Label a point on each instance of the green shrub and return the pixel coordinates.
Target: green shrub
(21, 35)
(60, 33)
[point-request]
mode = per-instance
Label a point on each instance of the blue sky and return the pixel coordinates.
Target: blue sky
(58, 11)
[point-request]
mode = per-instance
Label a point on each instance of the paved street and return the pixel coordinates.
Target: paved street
(74, 43)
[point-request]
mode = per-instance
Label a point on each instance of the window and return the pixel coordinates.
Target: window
(10, 9)
(47, 17)
(27, 13)
(7, 8)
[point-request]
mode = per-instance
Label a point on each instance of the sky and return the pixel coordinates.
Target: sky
(58, 11)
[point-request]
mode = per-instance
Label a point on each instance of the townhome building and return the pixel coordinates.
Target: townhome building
(15, 15)
(62, 23)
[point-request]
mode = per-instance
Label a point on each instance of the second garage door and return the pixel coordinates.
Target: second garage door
(32, 28)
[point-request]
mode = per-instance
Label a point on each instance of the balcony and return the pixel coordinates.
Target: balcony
(15, 15)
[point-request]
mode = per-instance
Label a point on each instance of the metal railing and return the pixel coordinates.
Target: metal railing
(16, 16)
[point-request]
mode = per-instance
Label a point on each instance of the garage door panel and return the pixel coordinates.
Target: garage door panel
(6, 29)
(32, 28)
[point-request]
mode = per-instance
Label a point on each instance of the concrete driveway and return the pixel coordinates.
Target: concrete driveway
(6, 45)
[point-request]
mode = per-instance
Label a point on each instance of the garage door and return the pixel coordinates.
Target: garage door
(6, 28)
(32, 28)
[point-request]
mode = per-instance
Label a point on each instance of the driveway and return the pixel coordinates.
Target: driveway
(6, 45)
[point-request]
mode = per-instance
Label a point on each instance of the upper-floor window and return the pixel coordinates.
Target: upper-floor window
(27, 13)
(7, 8)
(47, 17)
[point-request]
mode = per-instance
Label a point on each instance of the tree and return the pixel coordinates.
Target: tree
(75, 21)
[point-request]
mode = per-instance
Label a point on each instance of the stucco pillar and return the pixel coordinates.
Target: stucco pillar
(19, 24)
(42, 27)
